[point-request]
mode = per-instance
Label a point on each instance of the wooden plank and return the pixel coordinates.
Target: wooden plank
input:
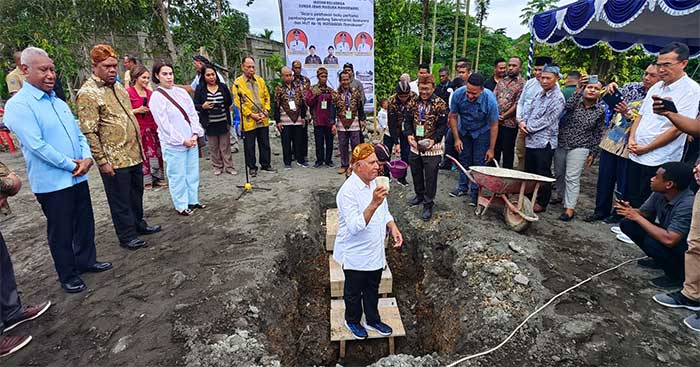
(331, 228)
(337, 279)
(388, 310)
(392, 349)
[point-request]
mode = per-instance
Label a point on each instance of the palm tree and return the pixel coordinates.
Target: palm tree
(535, 6)
(466, 27)
(267, 33)
(432, 45)
(426, 5)
(482, 11)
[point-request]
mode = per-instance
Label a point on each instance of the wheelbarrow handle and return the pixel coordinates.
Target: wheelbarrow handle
(461, 167)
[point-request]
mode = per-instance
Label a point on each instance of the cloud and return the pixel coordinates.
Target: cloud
(263, 14)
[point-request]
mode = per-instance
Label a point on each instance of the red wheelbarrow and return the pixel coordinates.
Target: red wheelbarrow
(498, 186)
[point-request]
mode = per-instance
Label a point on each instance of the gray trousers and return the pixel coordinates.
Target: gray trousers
(568, 166)
(10, 305)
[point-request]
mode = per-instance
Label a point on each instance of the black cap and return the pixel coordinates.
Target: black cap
(403, 87)
(201, 58)
(382, 152)
(542, 60)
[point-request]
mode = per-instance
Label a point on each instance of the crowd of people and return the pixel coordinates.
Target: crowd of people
(141, 136)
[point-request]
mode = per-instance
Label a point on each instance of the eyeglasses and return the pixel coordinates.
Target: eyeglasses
(666, 65)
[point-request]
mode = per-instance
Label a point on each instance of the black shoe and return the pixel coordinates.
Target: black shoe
(555, 200)
(457, 193)
(427, 213)
(415, 201)
(594, 218)
(566, 218)
(268, 170)
(149, 230)
(134, 244)
(648, 263)
(613, 219)
(318, 165)
(97, 267)
(665, 282)
(253, 172)
(330, 164)
(74, 285)
(197, 206)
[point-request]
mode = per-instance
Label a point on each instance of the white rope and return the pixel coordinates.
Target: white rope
(538, 310)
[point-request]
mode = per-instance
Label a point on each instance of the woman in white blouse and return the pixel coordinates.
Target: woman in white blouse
(178, 130)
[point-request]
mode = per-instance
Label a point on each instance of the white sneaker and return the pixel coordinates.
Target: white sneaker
(616, 230)
(623, 238)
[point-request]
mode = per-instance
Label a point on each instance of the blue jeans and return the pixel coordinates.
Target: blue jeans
(473, 154)
(182, 169)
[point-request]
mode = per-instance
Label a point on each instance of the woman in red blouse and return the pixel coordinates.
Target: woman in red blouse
(140, 95)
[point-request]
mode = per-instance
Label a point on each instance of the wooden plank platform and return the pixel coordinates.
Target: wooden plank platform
(389, 312)
(337, 279)
(331, 228)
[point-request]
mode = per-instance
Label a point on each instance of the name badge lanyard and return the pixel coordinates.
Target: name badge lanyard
(290, 99)
(423, 109)
(348, 112)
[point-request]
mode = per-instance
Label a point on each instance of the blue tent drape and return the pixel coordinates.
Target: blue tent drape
(622, 24)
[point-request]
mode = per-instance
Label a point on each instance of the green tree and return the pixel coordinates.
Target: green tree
(533, 7)
(267, 33)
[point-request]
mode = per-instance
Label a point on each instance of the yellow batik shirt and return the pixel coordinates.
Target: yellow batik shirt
(109, 124)
(251, 101)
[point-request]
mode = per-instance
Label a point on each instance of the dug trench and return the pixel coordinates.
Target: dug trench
(298, 326)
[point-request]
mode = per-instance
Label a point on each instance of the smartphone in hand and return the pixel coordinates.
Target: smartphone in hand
(668, 104)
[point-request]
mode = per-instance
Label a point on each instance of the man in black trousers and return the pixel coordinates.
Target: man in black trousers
(58, 160)
(106, 119)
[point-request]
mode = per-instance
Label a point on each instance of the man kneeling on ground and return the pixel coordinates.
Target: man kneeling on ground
(670, 205)
(363, 218)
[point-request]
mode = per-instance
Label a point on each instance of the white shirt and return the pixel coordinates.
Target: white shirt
(364, 47)
(195, 81)
(531, 89)
(297, 46)
(342, 47)
(173, 129)
(414, 86)
(383, 120)
(360, 246)
(685, 94)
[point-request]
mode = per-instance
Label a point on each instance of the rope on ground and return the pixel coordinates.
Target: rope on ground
(540, 309)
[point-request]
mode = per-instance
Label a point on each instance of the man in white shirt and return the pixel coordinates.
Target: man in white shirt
(363, 46)
(364, 218)
(343, 45)
(653, 138)
(531, 89)
(423, 69)
(296, 44)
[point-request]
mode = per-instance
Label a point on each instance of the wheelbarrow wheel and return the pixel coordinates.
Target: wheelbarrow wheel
(514, 220)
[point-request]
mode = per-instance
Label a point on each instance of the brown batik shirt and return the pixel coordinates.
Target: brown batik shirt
(430, 117)
(349, 110)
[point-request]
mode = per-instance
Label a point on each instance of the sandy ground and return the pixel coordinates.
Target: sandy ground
(243, 283)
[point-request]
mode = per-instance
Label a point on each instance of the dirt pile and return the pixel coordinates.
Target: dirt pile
(245, 283)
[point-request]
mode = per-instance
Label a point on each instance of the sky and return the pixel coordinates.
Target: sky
(502, 14)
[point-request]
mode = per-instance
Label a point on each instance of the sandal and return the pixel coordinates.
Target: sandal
(161, 183)
(148, 187)
(186, 212)
(197, 206)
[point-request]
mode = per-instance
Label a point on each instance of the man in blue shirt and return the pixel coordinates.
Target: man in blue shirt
(58, 159)
(541, 129)
(475, 134)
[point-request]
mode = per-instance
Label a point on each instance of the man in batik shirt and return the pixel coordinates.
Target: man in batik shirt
(507, 94)
(350, 116)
